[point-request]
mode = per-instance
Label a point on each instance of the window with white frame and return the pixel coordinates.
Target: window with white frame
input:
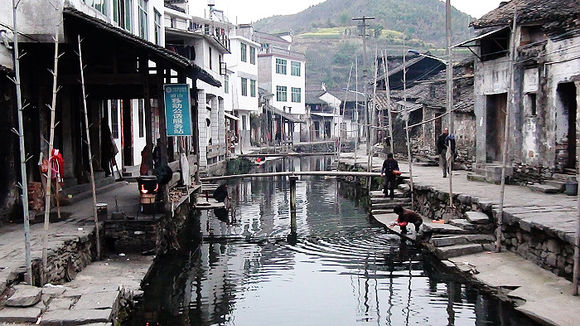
(100, 5)
(252, 55)
(296, 95)
(244, 86)
(157, 27)
(281, 66)
(227, 84)
(281, 93)
(143, 22)
(123, 13)
(295, 68)
(243, 52)
(252, 88)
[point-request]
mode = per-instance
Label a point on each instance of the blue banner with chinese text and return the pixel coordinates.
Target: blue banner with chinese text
(177, 110)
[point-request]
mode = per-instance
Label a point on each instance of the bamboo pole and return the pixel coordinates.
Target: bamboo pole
(449, 94)
(48, 189)
(356, 107)
(407, 114)
(388, 90)
(23, 175)
(88, 135)
(506, 134)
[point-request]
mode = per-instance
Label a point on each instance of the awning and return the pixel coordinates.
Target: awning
(231, 116)
(324, 115)
(283, 114)
(465, 44)
(173, 59)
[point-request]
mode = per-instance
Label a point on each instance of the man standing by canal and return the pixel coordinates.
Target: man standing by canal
(389, 173)
(442, 151)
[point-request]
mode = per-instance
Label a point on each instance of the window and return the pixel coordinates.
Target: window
(100, 5)
(243, 51)
(143, 28)
(227, 84)
(252, 88)
(157, 27)
(141, 113)
(296, 95)
(281, 93)
(281, 66)
(531, 99)
(128, 14)
(244, 86)
(252, 55)
(210, 61)
(295, 68)
(115, 119)
(244, 122)
(122, 13)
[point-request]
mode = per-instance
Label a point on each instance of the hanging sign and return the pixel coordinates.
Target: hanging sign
(177, 110)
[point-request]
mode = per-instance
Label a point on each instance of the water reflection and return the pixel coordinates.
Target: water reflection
(337, 269)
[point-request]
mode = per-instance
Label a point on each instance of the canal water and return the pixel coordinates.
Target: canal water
(242, 268)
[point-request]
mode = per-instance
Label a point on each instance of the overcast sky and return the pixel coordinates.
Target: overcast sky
(252, 10)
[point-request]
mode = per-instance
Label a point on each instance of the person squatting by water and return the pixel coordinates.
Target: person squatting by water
(446, 151)
(406, 216)
(389, 172)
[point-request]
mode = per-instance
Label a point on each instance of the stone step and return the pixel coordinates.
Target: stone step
(476, 177)
(458, 250)
(437, 228)
(446, 241)
(560, 184)
(477, 217)
(544, 188)
(389, 206)
(464, 224)
(380, 194)
(376, 212)
(390, 201)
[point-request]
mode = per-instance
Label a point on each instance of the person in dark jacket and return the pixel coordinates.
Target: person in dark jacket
(406, 216)
(390, 165)
(442, 151)
(221, 193)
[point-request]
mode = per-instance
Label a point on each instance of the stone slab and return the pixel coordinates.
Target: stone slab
(477, 217)
(544, 188)
(458, 250)
(461, 239)
(464, 224)
(19, 315)
(437, 228)
(24, 296)
(75, 317)
(61, 303)
(53, 290)
(98, 300)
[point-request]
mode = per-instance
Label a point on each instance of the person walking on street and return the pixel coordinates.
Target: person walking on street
(450, 153)
(442, 151)
(406, 216)
(389, 172)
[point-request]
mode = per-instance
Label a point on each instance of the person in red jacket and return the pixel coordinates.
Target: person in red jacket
(406, 216)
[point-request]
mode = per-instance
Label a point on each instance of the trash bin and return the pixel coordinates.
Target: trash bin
(571, 188)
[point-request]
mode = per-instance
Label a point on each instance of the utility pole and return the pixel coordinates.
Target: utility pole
(449, 95)
(407, 116)
(342, 117)
(357, 118)
(388, 90)
(23, 176)
(509, 106)
(363, 28)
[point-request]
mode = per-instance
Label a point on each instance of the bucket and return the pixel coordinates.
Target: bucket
(102, 211)
(571, 188)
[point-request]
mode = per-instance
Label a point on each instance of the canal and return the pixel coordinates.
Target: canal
(242, 268)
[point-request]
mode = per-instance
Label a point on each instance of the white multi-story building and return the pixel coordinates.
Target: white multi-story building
(205, 41)
(243, 81)
(282, 72)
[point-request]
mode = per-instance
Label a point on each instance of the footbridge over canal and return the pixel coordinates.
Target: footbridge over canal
(297, 174)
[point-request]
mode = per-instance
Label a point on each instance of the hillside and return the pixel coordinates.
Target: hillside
(329, 38)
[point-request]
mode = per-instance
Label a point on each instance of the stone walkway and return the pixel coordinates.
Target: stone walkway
(109, 277)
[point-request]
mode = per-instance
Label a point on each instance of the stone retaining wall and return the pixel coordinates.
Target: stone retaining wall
(71, 257)
(546, 248)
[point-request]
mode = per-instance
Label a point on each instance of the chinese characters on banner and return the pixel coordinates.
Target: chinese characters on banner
(177, 110)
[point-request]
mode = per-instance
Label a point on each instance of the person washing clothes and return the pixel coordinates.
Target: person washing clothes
(406, 216)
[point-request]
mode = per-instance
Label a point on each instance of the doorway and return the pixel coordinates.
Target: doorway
(567, 96)
(495, 124)
(127, 137)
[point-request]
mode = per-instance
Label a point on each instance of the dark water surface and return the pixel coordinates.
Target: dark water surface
(343, 269)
